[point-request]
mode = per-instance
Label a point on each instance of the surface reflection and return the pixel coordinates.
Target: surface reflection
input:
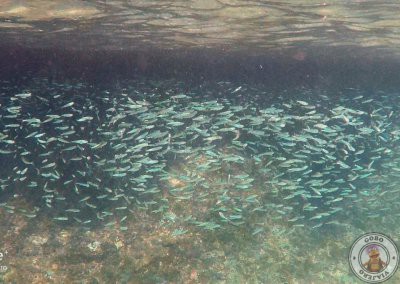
(232, 24)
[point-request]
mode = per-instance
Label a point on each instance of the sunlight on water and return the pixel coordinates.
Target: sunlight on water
(233, 25)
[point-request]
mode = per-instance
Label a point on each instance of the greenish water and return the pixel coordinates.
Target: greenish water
(170, 181)
(204, 141)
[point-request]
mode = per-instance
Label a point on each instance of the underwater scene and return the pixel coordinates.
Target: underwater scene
(199, 142)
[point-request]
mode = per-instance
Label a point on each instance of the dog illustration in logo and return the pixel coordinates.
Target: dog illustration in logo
(375, 263)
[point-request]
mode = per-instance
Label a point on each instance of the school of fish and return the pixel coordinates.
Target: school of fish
(90, 155)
